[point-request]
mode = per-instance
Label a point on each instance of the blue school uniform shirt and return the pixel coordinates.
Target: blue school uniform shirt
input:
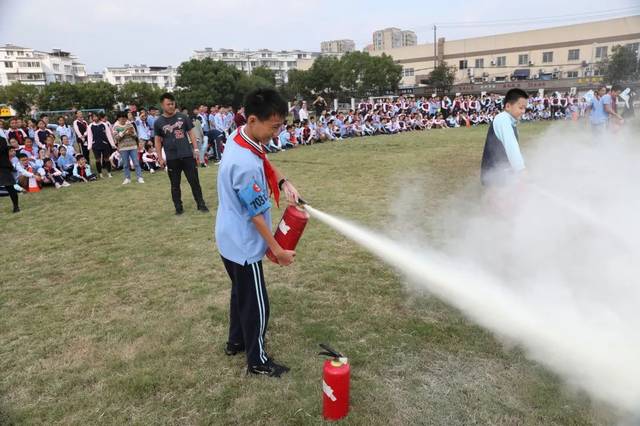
(242, 194)
(598, 115)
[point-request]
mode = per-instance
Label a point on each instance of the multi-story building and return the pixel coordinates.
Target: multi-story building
(549, 58)
(393, 38)
(95, 77)
(60, 66)
(337, 47)
(35, 67)
(163, 77)
(246, 60)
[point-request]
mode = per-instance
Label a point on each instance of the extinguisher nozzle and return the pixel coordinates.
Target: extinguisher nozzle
(301, 202)
(329, 351)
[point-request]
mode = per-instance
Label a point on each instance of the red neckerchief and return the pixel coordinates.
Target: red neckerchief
(244, 141)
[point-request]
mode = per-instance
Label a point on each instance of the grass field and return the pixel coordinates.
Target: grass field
(114, 311)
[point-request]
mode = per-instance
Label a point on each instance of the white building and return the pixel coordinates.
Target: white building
(246, 60)
(95, 77)
(163, 77)
(60, 66)
(35, 67)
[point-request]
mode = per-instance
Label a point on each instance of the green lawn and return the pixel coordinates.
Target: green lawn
(113, 310)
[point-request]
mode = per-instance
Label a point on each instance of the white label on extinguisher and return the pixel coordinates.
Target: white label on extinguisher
(283, 227)
(328, 391)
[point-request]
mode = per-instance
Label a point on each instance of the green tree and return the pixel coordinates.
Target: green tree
(442, 77)
(623, 65)
(206, 82)
(265, 74)
(381, 75)
(353, 69)
(20, 96)
(58, 96)
(296, 85)
(324, 76)
(140, 94)
(247, 83)
(96, 95)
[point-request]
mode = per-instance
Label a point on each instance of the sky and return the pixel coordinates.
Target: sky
(163, 32)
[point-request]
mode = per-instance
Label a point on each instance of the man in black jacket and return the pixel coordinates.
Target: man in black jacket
(6, 174)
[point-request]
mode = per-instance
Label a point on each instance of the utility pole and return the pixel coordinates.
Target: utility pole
(435, 55)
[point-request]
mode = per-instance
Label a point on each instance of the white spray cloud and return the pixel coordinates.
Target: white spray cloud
(552, 265)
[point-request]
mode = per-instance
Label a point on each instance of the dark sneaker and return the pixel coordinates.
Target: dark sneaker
(270, 369)
(203, 209)
(16, 209)
(233, 349)
(179, 211)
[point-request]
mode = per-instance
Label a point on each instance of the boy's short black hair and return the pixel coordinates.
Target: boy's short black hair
(616, 88)
(21, 155)
(122, 114)
(152, 108)
(513, 95)
(264, 104)
(167, 95)
(79, 157)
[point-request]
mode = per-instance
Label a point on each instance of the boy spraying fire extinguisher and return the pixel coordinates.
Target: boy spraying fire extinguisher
(246, 179)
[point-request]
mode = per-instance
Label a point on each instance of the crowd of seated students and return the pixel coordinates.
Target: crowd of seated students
(403, 114)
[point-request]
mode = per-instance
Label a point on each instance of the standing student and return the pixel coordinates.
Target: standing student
(7, 179)
(124, 133)
(243, 226)
(64, 129)
(81, 129)
(101, 142)
(174, 132)
(501, 159)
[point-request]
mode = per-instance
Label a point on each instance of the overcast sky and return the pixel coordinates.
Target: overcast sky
(163, 32)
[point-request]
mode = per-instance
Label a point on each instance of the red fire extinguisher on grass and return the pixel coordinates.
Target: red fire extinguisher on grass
(290, 228)
(336, 375)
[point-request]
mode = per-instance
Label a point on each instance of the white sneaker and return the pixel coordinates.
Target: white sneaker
(58, 186)
(140, 180)
(110, 175)
(65, 183)
(152, 171)
(126, 182)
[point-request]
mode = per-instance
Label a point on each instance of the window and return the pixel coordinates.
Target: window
(501, 61)
(523, 59)
(463, 64)
(56, 67)
(572, 74)
(408, 72)
(634, 47)
(8, 64)
(480, 63)
(601, 52)
(547, 57)
(574, 54)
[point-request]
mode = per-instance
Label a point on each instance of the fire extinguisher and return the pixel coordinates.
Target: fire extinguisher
(290, 228)
(335, 384)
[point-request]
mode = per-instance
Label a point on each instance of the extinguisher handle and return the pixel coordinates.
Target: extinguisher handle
(301, 202)
(329, 351)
